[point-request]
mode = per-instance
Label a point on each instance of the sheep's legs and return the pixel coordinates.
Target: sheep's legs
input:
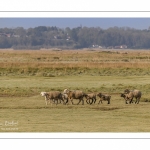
(100, 101)
(79, 101)
(94, 100)
(46, 102)
(137, 101)
(131, 101)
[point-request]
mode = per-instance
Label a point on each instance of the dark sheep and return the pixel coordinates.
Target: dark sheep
(104, 98)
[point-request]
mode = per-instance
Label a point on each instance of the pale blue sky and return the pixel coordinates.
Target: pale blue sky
(104, 23)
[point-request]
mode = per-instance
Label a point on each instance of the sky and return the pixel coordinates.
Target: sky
(104, 23)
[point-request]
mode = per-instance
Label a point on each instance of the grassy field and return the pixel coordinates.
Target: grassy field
(24, 74)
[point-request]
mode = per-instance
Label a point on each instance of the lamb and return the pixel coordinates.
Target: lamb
(91, 96)
(104, 97)
(50, 96)
(125, 96)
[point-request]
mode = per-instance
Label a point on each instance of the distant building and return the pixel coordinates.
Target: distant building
(5, 34)
(118, 47)
(123, 47)
(8, 35)
(15, 35)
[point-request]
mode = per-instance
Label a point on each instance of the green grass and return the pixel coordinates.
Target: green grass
(29, 86)
(116, 117)
(20, 101)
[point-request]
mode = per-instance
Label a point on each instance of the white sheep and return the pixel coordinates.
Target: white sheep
(52, 96)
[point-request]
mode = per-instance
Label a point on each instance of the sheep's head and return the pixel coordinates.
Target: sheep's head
(99, 94)
(43, 93)
(86, 96)
(127, 91)
(122, 95)
(66, 91)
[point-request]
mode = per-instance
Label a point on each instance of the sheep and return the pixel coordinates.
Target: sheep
(91, 96)
(125, 96)
(76, 94)
(53, 95)
(45, 94)
(65, 91)
(133, 94)
(104, 97)
(64, 97)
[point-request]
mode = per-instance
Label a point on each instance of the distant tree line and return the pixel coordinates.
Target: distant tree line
(79, 37)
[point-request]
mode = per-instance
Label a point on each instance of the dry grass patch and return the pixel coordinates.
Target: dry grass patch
(75, 58)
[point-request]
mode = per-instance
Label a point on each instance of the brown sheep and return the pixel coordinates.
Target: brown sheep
(76, 94)
(125, 96)
(104, 97)
(133, 94)
(90, 96)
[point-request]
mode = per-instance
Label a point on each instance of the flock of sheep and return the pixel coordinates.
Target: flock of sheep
(67, 96)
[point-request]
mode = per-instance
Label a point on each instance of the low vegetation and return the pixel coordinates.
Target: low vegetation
(24, 74)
